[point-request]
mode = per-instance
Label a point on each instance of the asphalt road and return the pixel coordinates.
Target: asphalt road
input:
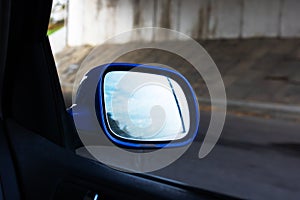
(255, 158)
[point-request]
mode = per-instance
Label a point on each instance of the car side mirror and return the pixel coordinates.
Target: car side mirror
(140, 106)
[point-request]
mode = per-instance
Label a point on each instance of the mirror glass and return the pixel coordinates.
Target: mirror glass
(145, 107)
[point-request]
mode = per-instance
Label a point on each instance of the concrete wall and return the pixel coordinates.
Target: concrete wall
(94, 21)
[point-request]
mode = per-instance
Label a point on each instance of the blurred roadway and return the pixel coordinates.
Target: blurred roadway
(254, 159)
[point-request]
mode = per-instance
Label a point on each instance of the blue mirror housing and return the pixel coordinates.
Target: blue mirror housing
(138, 106)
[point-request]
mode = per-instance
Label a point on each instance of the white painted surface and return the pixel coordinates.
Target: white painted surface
(58, 40)
(143, 16)
(189, 17)
(166, 16)
(75, 23)
(94, 21)
(290, 24)
(261, 18)
(225, 21)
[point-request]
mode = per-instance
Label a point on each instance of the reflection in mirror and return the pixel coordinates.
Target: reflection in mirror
(145, 107)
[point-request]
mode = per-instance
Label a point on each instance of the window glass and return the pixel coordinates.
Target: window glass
(258, 58)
